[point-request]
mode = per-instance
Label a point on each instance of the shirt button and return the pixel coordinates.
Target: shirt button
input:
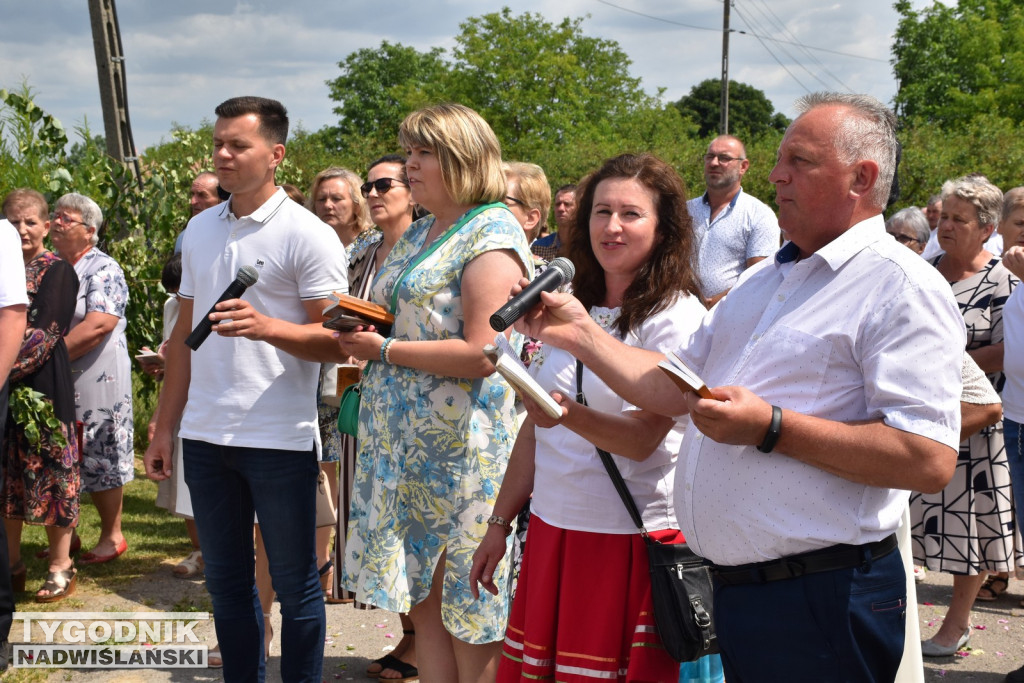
(780, 297)
(755, 337)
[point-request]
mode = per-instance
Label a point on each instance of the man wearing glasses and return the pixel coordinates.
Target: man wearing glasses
(734, 230)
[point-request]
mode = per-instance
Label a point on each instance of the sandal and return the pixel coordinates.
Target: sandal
(58, 585)
(190, 567)
(406, 672)
(389, 661)
(993, 587)
(213, 658)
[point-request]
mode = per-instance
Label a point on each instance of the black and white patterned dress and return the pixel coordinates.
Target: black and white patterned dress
(968, 527)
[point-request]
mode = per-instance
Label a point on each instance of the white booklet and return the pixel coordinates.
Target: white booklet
(506, 362)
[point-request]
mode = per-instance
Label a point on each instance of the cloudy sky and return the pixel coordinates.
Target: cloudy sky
(184, 56)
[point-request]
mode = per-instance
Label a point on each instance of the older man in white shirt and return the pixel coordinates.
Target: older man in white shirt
(795, 478)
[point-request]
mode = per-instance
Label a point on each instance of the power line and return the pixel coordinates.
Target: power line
(784, 50)
(745, 33)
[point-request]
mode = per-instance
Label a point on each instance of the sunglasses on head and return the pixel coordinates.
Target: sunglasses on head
(382, 185)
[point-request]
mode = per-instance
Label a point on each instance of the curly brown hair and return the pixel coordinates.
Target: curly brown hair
(668, 273)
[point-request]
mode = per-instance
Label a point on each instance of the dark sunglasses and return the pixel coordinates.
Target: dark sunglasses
(382, 185)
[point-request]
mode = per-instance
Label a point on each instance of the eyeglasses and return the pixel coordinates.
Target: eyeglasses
(722, 158)
(513, 200)
(66, 221)
(382, 185)
(904, 239)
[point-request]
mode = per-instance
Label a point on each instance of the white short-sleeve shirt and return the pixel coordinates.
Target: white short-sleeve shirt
(1013, 356)
(743, 230)
(861, 329)
(12, 267)
(572, 490)
(249, 393)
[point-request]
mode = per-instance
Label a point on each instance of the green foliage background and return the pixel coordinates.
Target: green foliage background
(554, 96)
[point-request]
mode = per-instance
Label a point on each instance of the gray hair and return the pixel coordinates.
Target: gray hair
(913, 219)
(869, 133)
(986, 198)
(92, 216)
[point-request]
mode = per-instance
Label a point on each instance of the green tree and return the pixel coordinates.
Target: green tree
(751, 113)
(955, 63)
(374, 89)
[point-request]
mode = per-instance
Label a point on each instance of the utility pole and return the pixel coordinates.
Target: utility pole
(723, 126)
(106, 41)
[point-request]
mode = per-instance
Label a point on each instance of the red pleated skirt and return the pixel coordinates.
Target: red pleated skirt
(583, 610)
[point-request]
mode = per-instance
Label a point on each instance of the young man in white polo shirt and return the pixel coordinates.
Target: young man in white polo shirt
(247, 395)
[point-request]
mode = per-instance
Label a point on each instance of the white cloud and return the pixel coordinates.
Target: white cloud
(184, 57)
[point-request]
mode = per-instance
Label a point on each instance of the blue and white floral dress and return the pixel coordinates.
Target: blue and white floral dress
(432, 449)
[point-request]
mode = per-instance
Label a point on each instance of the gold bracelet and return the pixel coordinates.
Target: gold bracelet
(501, 521)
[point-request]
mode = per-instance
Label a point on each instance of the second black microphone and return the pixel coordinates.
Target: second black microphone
(558, 272)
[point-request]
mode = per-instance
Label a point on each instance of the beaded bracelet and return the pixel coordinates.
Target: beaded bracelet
(387, 350)
(384, 350)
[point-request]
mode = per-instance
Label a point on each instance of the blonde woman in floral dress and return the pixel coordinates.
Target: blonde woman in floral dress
(442, 423)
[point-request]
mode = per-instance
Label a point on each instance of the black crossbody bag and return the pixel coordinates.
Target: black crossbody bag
(680, 580)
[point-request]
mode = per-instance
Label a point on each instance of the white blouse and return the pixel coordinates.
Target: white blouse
(572, 490)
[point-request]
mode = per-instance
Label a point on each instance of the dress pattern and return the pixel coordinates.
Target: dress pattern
(969, 526)
(103, 378)
(41, 483)
(432, 450)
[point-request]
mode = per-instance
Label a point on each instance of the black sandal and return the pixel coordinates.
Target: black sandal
(59, 584)
(391, 662)
(995, 585)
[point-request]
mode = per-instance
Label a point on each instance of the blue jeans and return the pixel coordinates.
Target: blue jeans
(1015, 458)
(227, 486)
(842, 625)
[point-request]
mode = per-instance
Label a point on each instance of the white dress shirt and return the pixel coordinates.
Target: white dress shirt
(861, 329)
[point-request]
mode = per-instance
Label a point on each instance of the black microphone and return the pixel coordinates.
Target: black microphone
(245, 277)
(557, 274)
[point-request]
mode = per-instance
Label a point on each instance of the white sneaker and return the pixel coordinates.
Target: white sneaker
(919, 572)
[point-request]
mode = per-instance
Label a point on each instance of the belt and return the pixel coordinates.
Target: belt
(813, 562)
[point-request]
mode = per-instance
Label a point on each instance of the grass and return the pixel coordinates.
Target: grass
(153, 536)
(152, 533)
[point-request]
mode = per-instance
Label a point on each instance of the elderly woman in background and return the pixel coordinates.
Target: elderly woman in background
(967, 529)
(529, 196)
(436, 423)
(101, 368)
(910, 228)
(334, 198)
(632, 245)
(41, 476)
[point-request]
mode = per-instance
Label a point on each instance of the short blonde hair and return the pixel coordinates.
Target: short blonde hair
(353, 181)
(26, 197)
(467, 150)
(533, 191)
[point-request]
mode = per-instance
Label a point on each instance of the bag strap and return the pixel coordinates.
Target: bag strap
(466, 217)
(612, 468)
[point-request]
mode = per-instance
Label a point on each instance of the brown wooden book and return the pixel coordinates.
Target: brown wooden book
(683, 377)
(345, 305)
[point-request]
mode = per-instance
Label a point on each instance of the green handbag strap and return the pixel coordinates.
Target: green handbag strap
(466, 217)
